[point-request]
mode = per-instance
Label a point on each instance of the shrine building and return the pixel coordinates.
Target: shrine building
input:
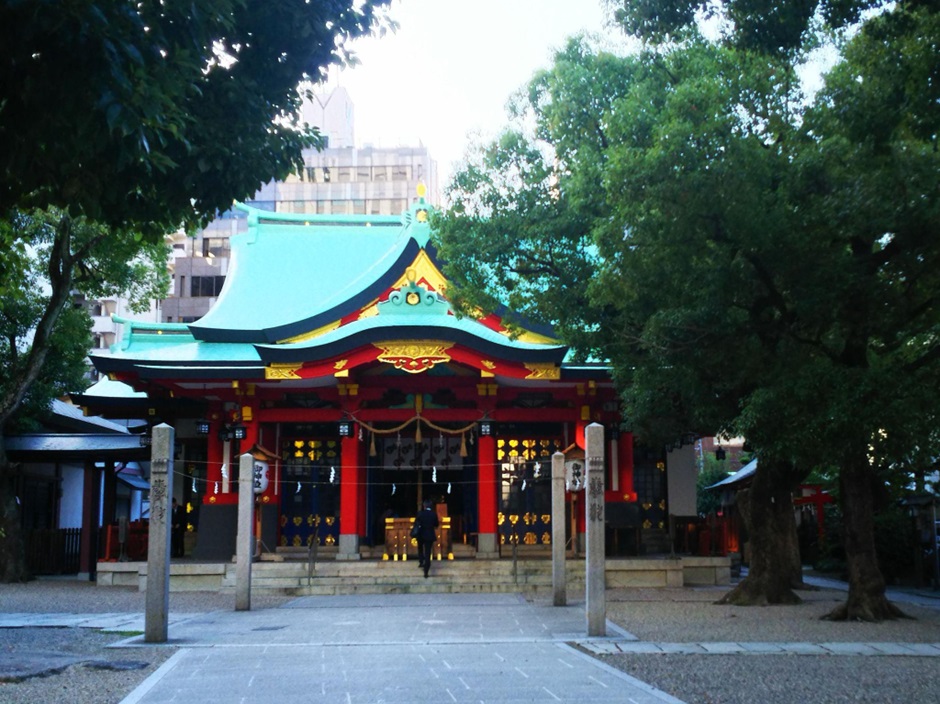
(334, 356)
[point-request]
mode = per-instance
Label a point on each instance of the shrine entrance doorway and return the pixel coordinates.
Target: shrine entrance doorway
(405, 472)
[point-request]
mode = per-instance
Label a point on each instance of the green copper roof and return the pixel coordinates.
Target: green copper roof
(409, 325)
(290, 274)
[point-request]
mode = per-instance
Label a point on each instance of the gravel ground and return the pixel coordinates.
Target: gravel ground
(689, 615)
(657, 615)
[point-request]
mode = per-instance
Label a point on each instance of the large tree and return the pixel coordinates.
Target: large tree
(124, 121)
(45, 333)
(763, 263)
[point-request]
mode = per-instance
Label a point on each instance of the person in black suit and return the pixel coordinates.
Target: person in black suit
(427, 522)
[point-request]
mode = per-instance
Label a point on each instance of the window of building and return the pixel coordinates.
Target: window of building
(215, 247)
(206, 286)
(345, 174)
(359, 207)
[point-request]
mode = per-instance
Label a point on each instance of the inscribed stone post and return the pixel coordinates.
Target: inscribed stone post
(559, 576)
(245, 540)
(595, 562)
(157, 602)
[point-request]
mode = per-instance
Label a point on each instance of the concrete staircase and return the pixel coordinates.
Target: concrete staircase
(402, 577)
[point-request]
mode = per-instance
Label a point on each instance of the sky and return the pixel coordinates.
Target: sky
(451, 67)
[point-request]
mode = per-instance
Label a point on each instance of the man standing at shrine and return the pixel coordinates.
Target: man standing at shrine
(427, 522)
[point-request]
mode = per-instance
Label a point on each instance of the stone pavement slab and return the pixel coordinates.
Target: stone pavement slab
(496, 649)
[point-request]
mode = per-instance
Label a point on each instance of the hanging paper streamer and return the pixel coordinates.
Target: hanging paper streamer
(298, 488)
(216, 487)
(523, 485)
(360, 433)
(393, 489)
(332, 475)
(566, 485)
(463, 444)
(434, 474)
(224, 471)
(17, 500)
(448, 487)
(194, 485)
(537, 470)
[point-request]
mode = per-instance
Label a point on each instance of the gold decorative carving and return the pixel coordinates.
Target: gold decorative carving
(340, 364)
(488, 364)
(312, 334)
(279, 370)
(542, 370)
(414, 356)
(423, 268)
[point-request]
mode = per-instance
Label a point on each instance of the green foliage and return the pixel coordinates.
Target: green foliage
(707, 502)
(767, 26)
(43, 356)
(159, 114)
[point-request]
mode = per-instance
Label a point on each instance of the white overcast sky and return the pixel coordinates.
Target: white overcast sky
(451, 67)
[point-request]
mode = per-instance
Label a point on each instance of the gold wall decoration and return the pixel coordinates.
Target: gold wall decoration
(540, 370)
(279, 370)
(414, 356)
(546, 538)
(530, 538)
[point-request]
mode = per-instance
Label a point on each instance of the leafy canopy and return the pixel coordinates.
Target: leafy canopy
(159, 113)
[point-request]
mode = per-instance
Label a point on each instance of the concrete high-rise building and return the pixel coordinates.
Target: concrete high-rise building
(342, 179)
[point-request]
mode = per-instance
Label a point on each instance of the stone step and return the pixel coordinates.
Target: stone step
(382, 577)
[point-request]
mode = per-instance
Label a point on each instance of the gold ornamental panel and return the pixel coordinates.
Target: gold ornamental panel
(414, 356)
(543, 371)
(281, 371)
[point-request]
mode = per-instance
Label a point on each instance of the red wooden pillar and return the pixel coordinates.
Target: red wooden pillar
(487, 543)
(109, 500)
(625, 456)
(349, 498)
(363, 460)
(88, 553)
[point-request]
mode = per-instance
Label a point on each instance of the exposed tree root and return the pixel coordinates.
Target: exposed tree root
(873, 610)
(751, 593)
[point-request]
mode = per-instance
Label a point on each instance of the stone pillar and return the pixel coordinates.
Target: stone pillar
(595, 559)
(487, 544)
(349, 498)
(156, 617)
(559, 576)
(245, 540)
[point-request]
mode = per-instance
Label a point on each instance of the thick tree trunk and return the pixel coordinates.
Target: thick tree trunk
(767, 510)
(867, 600)
(12, 552)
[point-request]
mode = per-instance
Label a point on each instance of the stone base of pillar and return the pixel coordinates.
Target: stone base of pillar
(487, 546)
(348, 548)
